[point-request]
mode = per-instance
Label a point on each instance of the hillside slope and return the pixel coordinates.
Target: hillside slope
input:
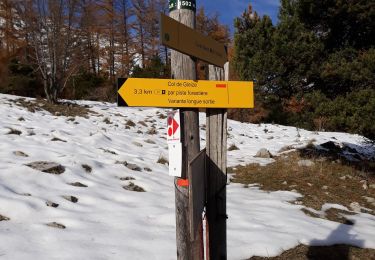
(88, 206)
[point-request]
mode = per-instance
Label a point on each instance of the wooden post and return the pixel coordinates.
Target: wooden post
(216, 148)
(183, 67)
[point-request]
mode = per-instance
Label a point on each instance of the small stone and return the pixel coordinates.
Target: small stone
(286, 148)
(134, 167)
(132, 187)
(55, 139)
(14, 132)
(263, 153)
(4, 218)
(343, 178)
(369, 199)
(20, 154)
(127, 179)
(137, 144)
(78, 184)
(355, 207)
(56, 225)
(47, 167)
(87, 168)
(71, 198)
(52, 204)
(285, 183)
(152, 131)
(325, 187)
(149, 141)
(147, 169)
(306, 163)
(233, 147)
(364, 184)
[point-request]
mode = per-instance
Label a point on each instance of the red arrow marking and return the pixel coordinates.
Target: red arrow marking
(175, 126)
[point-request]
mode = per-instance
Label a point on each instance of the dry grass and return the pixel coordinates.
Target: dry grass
(162, 116)
(324, 182)
(143, 123)
(130, 123)
(336, 252)
(14, 132)
(87, 168)
(107, 121)
(162, 160)
(233, 147)
(61, 109)
(152, 131)
(133, 187)
(329, 180)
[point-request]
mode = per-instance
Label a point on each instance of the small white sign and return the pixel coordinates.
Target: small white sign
(173, 128)
(175, 159)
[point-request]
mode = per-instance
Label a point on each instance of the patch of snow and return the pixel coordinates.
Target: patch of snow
(109, 222)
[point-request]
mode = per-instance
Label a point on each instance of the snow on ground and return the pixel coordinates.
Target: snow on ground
(109, 222)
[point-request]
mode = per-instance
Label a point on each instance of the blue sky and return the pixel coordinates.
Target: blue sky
(230, 9)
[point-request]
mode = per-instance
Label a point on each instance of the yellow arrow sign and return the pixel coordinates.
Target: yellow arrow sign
(137, 92)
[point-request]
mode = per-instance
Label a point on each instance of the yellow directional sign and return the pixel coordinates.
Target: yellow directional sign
(136, 92)
(184, 39)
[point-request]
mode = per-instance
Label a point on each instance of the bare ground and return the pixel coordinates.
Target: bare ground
(326, 181)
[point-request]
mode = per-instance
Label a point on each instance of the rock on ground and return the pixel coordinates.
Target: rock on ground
(132, 187)
(4, 218)
(56, 225)
(263, 153)
(306, 163)
(47, 167)
(20, 153)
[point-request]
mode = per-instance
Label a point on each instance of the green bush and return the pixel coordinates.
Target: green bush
(352, 113)
(155, 69)
(21, 80)
(84, 84)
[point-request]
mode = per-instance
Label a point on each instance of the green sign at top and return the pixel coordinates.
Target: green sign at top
(182, 4)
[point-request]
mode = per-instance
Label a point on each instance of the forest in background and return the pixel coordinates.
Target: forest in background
(75, 49)
(314, 69)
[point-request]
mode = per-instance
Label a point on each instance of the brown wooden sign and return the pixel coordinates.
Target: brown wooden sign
(197, 169)
(182, 38)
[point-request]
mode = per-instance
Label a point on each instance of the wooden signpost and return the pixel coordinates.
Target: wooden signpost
(189, 246)
(201, 181)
